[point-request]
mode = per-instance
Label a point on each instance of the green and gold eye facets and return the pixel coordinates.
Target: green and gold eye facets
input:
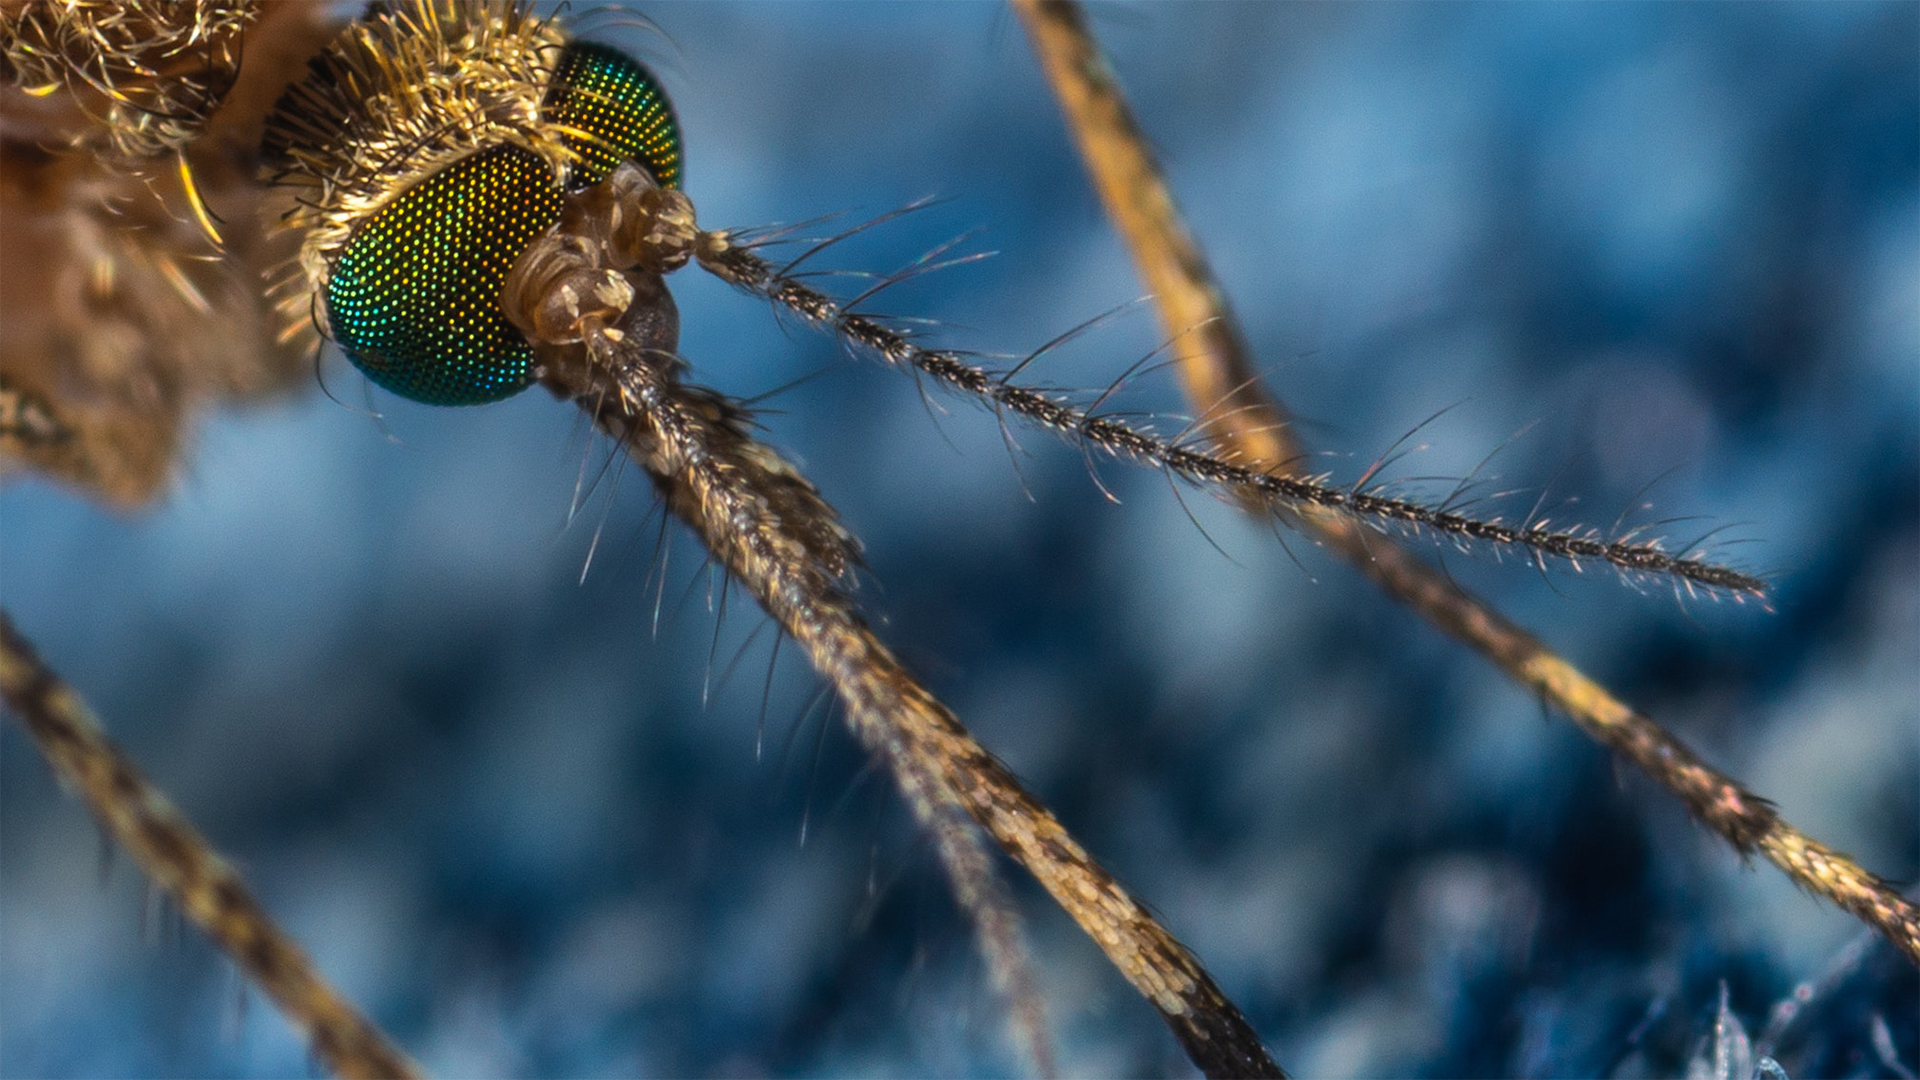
(611, 110)
(415, 298)
(412, 290)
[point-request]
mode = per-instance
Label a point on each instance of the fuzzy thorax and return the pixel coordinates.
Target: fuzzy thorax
(152, 76)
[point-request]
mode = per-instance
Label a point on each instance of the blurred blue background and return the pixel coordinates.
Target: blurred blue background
(1682, 241)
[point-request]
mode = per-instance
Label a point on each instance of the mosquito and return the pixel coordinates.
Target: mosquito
(437, 672)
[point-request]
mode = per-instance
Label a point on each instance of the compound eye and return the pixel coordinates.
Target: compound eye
(610, 110)
(414, 299)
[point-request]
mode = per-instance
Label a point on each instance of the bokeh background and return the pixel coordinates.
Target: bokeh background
(1682, 242)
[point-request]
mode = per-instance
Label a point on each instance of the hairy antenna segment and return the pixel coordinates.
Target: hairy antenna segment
(720, 256)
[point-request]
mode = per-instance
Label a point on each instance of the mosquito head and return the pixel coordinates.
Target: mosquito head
(434, 148)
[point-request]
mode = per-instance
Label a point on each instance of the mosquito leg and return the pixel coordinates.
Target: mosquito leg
(1248, 480)
(178, 859)
(1136, 195)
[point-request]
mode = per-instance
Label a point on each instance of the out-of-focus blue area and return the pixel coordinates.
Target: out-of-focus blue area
(1681, 241)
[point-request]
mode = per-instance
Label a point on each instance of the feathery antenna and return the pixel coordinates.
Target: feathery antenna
(1248, 481)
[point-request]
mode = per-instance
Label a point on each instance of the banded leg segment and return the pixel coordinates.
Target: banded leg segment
(1217, 369)
(180, 861)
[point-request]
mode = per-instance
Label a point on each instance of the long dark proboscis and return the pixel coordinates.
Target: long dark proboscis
(591, 296)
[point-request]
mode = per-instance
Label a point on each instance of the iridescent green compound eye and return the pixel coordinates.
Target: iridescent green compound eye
(414, 298)
(612, 111)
